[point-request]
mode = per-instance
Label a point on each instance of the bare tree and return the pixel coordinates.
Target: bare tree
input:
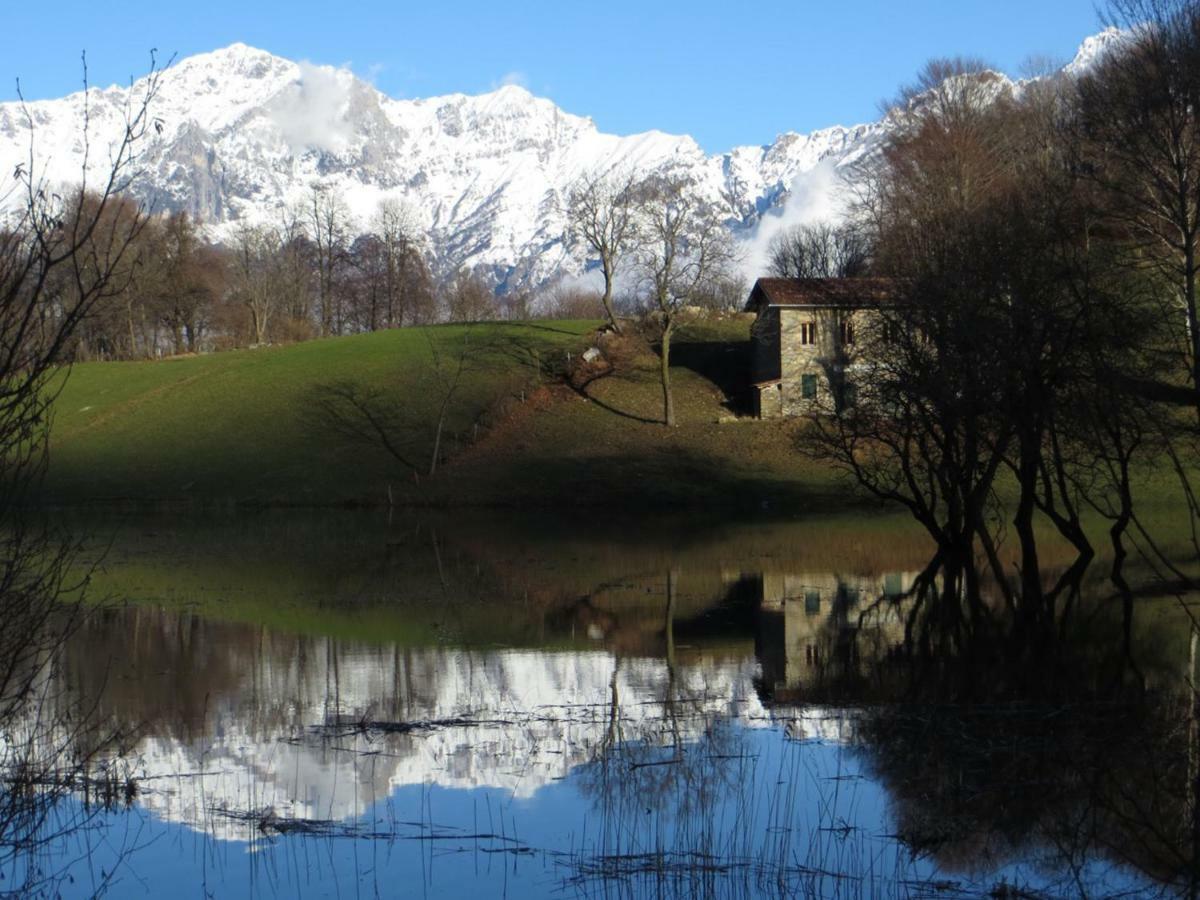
(820, 250)
(191, 278)
(367, 286)
(363, 414)
(602, 212)
(329, 230)
(255, 246)
(119, 322)
(686, 250)
(59, 257)
(469, 298)
(61, 254)
(1000, 347)
(259, 278)
(1137, 131)
(567, 301)
(446, 375)
(298, 255)
(515, 305)
(407, 288)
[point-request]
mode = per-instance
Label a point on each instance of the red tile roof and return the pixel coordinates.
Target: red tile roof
(838, 293)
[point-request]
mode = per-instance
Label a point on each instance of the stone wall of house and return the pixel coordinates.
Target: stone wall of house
(780, 354)
(798, 359)
(826, 359)
(769, 400)
(765, 335)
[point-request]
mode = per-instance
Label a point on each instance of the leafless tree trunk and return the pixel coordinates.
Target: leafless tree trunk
(602, 213)
(685, 250)
(328, 224)
(448, 373)
(257, 276)
(410, 427)
(405, 273)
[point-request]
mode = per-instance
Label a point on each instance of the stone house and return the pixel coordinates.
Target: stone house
(806, 341)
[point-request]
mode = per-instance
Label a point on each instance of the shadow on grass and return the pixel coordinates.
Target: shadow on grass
(727, 364)
(670, 479)
(581, 385)
(542, 326)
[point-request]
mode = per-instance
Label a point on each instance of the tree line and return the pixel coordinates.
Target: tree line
(309, 274)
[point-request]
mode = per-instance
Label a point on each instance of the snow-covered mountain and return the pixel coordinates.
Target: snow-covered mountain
(241, 134)
(529, 719)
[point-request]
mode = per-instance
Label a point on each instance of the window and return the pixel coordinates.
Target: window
(849, 395)
(808, 387)
(846, 331)
(808, 333)
(812, 603)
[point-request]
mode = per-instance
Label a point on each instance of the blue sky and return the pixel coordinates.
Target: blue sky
(724, 72)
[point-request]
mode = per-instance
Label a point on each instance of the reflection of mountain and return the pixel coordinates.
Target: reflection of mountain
(320, 728)
(273, 721)
(316, 727)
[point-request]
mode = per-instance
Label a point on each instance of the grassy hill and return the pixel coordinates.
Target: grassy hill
(252, 426)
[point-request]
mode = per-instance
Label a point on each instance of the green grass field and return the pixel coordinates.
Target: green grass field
(238, 427)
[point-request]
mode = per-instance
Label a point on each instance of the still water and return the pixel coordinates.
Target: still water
(346, 706)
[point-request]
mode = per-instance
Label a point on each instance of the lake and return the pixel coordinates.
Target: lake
(352, 704)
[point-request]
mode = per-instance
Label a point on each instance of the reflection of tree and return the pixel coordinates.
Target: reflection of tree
(670, 710)
(658, 798)
(1008, 744)
(658, 782)
(1193, 755)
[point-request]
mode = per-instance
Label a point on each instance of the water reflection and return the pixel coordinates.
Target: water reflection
(498, 714)
(817, 629)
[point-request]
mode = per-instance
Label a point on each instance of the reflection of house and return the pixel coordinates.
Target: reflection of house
(805, 340)
(809, 630)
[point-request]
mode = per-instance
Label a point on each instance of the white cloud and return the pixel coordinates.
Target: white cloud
(514, 79)
(312, 113)
(818, 195)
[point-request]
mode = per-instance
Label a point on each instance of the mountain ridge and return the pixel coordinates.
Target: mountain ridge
(245, 133)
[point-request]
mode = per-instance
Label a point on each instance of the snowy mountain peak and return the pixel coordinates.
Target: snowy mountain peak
(245, 133)
(1093, 49)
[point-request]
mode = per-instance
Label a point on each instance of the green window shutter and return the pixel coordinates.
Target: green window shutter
(808, 387)
(812, 602)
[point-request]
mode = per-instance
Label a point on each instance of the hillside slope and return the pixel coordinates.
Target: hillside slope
(251, 426)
